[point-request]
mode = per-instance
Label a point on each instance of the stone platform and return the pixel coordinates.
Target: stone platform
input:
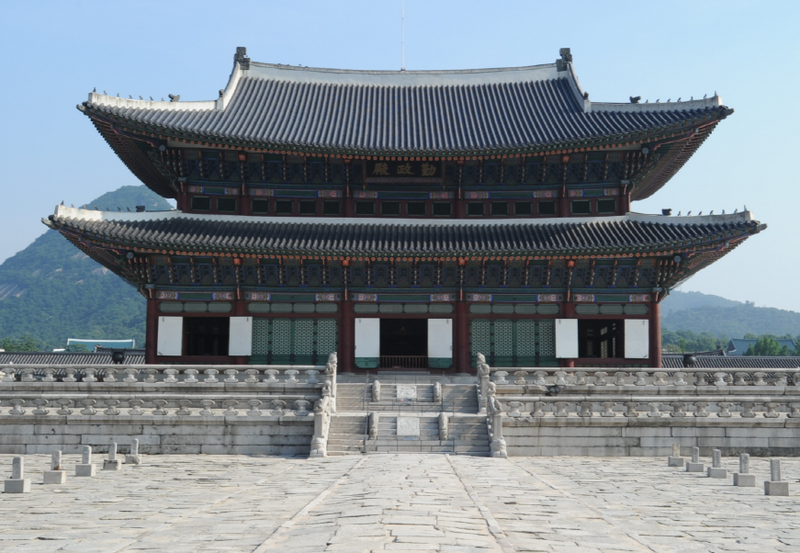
(362, 503)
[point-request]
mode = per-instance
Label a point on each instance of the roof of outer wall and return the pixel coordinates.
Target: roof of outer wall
(447, 113)
(738, 346)
(135, 357)
(346, 236)
(676, 361)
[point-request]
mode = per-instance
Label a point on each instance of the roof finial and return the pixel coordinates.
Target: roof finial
(566, 57)
(241, 58)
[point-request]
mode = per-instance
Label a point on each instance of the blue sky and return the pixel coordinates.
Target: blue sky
(55, 52)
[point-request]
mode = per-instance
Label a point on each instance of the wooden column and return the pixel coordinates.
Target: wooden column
(655, 334)
(151, 332)
(347, 323)
(461, 353)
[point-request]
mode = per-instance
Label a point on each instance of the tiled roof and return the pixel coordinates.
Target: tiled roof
(404, 112)
(676, 361)
(261, 235)
(738, 346)
(133, 357)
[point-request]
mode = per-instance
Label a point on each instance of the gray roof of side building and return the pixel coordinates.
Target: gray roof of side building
(339, 236)
(738, 346)
(132, 357)
(676, 361)
(404, 112)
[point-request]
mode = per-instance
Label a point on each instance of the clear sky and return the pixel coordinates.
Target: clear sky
(55, 52)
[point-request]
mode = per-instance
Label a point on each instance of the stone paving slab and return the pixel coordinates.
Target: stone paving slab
(410, 502)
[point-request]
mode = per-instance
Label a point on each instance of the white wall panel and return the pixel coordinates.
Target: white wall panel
(241, 337)
(566, 338)
(368, 338)
(440, 338)
(170, 336)
(637, 338)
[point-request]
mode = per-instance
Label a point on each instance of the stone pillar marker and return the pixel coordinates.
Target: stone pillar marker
(85, 467)
(743, 478)
(695, 465)
(17, 483)
(675, 460)
(55, 475)
(112, 463)
(775, 486)
(716, 470)
(133, 458)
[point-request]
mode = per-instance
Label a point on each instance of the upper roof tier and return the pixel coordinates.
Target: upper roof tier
(504, 111)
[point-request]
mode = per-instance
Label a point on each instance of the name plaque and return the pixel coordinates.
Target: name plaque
(404, 172)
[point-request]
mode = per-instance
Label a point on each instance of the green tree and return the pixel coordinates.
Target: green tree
(767, 345)
(23, 344)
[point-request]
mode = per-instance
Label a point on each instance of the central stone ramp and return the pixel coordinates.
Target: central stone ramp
(466, 435)
(367, 415)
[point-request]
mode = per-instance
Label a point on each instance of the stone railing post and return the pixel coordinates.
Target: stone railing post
(322, 416)
(444, 427)
(483, 373)
(331, 368)
(374, 425)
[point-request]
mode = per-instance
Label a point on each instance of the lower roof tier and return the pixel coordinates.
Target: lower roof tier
(121, 241)
(341, 237)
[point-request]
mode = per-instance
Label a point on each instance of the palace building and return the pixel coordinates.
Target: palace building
(404, 219)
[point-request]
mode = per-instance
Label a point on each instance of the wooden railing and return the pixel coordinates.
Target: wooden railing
(404, 362)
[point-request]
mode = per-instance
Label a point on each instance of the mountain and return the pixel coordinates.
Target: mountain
(677, 301)
(722, 317)
(52, 291)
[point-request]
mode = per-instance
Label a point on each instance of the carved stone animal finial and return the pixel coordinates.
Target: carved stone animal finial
(241, 58)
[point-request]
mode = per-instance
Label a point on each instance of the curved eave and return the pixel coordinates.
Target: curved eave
(496, 241)
(149, 133)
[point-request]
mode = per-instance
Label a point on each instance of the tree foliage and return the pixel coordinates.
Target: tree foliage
(768, 345)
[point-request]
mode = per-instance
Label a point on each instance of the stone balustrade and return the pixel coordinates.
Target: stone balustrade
(584, 406)
(287, 375)
(607, 377)
(161, 405)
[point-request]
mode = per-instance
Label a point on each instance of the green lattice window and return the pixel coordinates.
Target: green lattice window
(293, 341)
(507, 343)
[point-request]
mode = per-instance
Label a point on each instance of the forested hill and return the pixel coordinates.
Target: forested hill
(52, 291)
(722, 317)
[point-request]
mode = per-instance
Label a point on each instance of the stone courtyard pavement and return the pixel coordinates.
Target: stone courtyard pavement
(182, 503)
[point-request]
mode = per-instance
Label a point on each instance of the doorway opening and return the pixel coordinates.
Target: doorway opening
(404, 344)
(600, 338)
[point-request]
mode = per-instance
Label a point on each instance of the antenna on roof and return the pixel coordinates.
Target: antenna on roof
(403, 38)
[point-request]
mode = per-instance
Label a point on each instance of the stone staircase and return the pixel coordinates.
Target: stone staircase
(347, 434)
(411, 399)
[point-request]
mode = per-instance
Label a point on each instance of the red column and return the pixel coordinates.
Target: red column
(655, 334)
(461, 352)
(347, 324)
(151, 332)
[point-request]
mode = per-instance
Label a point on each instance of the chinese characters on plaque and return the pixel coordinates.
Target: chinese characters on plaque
(398, 171)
